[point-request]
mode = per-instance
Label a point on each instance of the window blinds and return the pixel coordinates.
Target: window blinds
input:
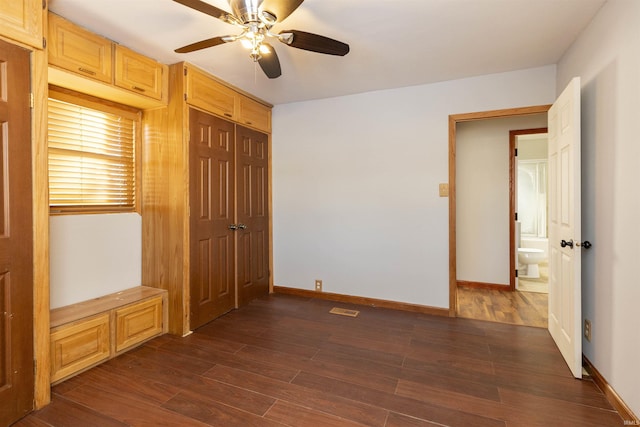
(91, 159)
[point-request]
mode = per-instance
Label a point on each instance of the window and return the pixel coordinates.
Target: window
(92, 154)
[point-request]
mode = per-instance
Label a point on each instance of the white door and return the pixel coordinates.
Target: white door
(565, 312)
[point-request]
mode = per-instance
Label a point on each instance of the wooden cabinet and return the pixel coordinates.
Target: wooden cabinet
(254, 114)
(209, 95)
(83, 61)
(138, 322)
(206, 93)
(138, 73)
(21, 20)
(205, 176)
(79, 345)
(80, 51)
(90, 332)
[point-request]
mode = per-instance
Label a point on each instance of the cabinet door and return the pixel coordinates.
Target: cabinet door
(21, 20)
(138, 73)
(79, 345)
(78, 50)
(212, 248)
(138, 322)
(252, 182)
(210, 95)
(254, 114)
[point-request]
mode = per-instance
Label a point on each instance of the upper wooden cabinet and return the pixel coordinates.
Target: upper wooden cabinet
(78, 50)
(254, 114)
(139, 73)
(205, 92)
(21, 20)
(86, 62)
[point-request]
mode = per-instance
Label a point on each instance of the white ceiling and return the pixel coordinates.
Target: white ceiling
(394, 43)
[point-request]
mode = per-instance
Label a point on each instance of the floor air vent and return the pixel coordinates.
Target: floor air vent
(344, 312)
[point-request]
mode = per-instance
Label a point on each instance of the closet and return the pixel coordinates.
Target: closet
(206, 222)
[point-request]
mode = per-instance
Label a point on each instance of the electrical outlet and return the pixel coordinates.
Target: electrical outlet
(318, 285)
(587, 329)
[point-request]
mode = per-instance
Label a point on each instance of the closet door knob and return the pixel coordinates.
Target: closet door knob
(232, 227)
(242, 227)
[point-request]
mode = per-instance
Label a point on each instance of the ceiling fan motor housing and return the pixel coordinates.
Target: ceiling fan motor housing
(249, 11)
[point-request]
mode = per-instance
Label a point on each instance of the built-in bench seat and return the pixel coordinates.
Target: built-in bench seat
(89, 332)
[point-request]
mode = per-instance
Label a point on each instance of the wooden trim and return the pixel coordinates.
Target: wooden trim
(483, 285)
(39, 84)
(616, 401)
(415, 308)
(454, 119)
(270, 208)
(512, 200)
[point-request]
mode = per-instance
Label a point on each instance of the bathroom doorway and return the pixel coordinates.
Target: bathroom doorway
(476, 297)
(528, 205)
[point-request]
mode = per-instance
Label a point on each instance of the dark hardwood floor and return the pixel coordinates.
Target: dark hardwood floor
(285, 361)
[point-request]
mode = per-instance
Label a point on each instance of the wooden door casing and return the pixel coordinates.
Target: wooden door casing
(212, 247)
(252, 211)
(16, 237)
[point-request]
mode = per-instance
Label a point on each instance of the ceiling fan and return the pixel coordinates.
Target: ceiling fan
(255, 18)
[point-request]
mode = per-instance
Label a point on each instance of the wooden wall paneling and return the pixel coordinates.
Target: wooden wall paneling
(163, 212)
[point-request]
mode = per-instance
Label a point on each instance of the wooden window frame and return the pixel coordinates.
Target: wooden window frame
(92, 102)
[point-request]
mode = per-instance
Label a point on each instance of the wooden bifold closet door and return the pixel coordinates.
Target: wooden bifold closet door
(229, 216)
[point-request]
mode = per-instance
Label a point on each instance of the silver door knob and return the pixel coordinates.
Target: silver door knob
(242, 227)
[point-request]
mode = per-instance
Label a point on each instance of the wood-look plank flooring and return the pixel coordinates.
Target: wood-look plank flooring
(286, 361)
(517, 308)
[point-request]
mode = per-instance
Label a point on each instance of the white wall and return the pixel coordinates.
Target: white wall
(607, 58)
(94, 255)
(482, 197)
(355, 184)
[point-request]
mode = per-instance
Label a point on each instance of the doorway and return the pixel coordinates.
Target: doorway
(528, 206)
(495, 289)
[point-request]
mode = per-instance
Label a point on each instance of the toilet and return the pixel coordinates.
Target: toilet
(530, 258)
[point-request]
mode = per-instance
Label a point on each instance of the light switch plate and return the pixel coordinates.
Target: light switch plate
(444, 190)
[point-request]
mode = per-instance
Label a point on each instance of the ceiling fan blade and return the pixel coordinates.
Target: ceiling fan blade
(205, 8)
(203, 44)
(314, 43)
(270, 63)
(281, 8)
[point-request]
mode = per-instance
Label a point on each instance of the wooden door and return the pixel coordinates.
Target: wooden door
(212, 248)
(253, 214)
(565, 311)
(16, 237)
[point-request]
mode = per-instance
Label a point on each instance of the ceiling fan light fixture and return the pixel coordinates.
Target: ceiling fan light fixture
(264, 49)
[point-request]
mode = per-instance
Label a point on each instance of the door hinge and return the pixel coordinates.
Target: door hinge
(185, 97)
(516, 216)
(515, 152)
(31, 101)
(516, 273)
(185, 71)
(44, 42)
(44, 4)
